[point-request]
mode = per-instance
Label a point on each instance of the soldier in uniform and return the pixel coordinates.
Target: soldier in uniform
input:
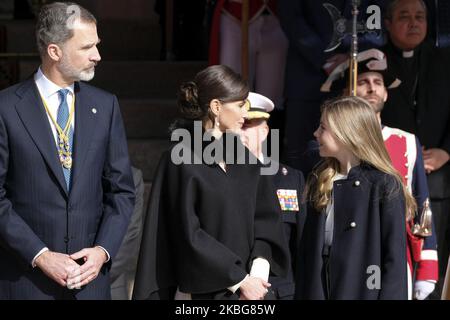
(289, 185)
(267, 44)
(405, 152)
(309, 30)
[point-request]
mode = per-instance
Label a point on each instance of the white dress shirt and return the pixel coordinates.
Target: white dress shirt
(49, 91)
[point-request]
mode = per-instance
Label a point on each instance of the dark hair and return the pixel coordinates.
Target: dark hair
(389, 12)
(214, 82)
(55, 23)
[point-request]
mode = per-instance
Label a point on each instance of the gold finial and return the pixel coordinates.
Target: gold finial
(424, 229)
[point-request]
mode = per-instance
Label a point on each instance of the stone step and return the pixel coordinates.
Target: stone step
(120, 39)
(145, 154)
(135, 79)
(129, 40)
(27, 66)
(148, 118)
(145, 79)
(20, 36)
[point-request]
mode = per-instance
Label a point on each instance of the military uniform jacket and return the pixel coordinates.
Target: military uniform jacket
(369, 234)
(406, 155)
(289, 184)
(204, 228)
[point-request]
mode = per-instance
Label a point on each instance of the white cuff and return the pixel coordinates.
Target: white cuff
(237, 285)
(422, 289)
(33, 262)
(107, 254)
(260, 269)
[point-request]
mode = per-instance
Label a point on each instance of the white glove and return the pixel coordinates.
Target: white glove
(422, 289)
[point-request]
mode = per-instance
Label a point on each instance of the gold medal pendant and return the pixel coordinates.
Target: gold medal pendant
(64, 151)
(63, 143)
(66, 160)
(66, 143)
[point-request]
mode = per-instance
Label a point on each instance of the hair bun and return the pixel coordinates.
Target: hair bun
(188, 101)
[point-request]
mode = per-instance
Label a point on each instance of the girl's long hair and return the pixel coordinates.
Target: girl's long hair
(353, 123)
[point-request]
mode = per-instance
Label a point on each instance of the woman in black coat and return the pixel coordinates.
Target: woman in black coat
(213, 230)
(354, 239)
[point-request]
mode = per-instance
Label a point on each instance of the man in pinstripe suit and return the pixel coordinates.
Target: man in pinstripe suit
(66, 189)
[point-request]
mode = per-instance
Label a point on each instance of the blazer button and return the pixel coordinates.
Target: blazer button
(357, 183)
(353, 224)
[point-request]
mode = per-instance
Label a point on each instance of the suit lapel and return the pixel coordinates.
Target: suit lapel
(84, 128)
(32, 113)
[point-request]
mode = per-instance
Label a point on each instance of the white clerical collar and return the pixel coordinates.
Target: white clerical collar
(408, 54)
(48, 88)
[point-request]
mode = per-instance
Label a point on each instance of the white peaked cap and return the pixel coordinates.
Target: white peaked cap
(259, 106)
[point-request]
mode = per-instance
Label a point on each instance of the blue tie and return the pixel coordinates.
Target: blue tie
(62, 118)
